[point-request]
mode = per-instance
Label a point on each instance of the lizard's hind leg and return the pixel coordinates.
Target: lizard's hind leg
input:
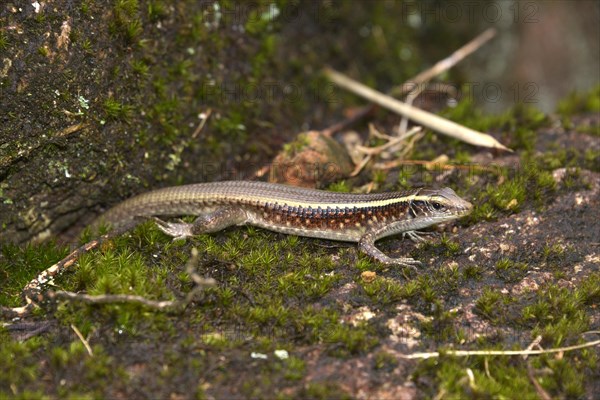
(206, 223)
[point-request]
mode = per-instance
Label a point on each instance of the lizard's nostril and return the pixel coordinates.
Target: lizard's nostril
(467, 206)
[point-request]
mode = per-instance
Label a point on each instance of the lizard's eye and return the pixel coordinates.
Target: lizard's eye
(437, 206)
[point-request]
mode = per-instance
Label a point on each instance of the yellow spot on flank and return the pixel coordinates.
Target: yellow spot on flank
(357, 224)
(341, 225)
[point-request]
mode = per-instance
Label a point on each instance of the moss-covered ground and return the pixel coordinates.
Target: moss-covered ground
(114, 113)
(293, 317)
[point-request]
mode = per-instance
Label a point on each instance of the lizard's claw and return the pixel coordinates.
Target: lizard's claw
(414, 235)
(177, 230)
(405, 262)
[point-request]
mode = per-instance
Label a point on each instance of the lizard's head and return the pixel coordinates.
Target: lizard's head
(435, 206)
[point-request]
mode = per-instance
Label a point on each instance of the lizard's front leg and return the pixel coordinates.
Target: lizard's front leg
(367, 245)
(215, 221)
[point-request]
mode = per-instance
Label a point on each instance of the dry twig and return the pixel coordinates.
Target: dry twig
(394, 141)
(200, 126)
(362, 164)
(436, 165)
(416, 81)
(467, 353)
(446, 63)
(83, 340)
(200, 284)
(538, 388)
(33, 290)
(424, 118)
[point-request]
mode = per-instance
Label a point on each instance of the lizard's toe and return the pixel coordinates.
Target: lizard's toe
(177, 230)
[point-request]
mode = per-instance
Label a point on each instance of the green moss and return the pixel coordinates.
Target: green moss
(132, 30)
(43, 51)
(462, 158)
(566, 380)
(553, 252)
(324, 391)
(589, 289)
(261, 19)
(84, 7)
(574, 180)
(340, 187)
(385, 361)
(592, 130)
(295, 284)
(508, 378)
(314, 323)
(507, 381)
(429, 294)
(509, 196)
(517, 124)
(269, 314)
(558, 314)
(344, 340)
(95, 370)
(258, 258)
(511, 271)
(74, 36)
(40, 18)
(450, 277)
(527, 121)
(297, 145)
(263, 57)
(272, 289)
(114, 110)
(568, 158)
(474, 272)
(379, 177)
(488, 303)
(445, 247)
(232, 125)
(532, 184)
(441, 326)
(365, 263)
(294, 368)
(19, 265)
(452, 247)
(384, 291)
(3, 41)
(126, 22)
(140, 67)
(20, 367)
(86, 46)
(119, 270)
(157, 10)
(580, 102)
